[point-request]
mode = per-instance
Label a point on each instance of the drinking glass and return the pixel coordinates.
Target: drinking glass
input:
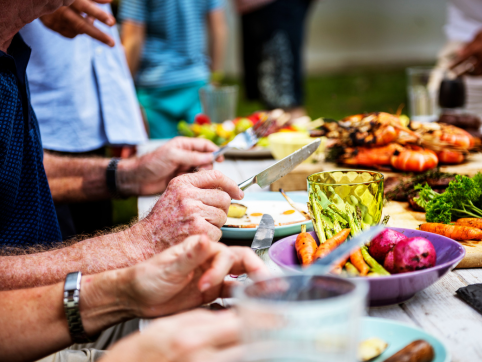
(319, 323)
(423, 87)
(361, 189)
(219, 103)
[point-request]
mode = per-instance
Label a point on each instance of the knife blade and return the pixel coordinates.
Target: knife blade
(282, 167)
(265, 233)
(324, 265)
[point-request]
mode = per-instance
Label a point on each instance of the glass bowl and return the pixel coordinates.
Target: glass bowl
(363, 190)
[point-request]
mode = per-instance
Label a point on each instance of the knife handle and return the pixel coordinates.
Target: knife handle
(245, 184)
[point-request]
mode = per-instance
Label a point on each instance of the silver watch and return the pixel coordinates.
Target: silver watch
(71, 307)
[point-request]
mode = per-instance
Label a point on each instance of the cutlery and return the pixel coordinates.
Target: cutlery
(243, 141)
(282, 167)
(264, 235)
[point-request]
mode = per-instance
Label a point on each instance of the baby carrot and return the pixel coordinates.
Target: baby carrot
(456, 232)
(338, 267)
(332, 243)
(470, 221)
(305, 247)
(358, 262)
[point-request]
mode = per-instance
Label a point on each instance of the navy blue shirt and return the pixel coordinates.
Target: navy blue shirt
(27, 213)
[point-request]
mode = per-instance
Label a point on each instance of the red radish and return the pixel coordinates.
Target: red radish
(383, 243)
(413, 254)
(388, 263)
(202, 119)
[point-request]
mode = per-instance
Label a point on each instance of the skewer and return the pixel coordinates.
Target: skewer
(293, 205)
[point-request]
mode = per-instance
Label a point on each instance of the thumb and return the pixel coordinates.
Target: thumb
(192, 158)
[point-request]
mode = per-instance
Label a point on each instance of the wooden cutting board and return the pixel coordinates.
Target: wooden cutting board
(401, 215)
(296, 179)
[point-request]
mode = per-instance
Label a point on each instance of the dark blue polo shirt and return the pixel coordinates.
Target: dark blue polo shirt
(27, 213)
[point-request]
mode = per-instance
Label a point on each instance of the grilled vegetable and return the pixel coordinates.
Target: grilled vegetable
(413, 254)
(417, 351)
(456, 232)
(305, 247)
(328, 246)
(371, 348)
(237, 210)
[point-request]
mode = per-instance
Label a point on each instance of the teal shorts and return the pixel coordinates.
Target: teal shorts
(165, 107)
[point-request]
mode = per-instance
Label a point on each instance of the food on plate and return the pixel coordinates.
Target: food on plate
(305, 247)
(288, 212)
(456, 232)
(413, 254)
(383, 243)
(332, 243)
(462, 198)
(255, 209)
(371, 348)
(465, 121)
(294, 206)
(237, 210)
(351, 270)
(356, 258)
(389, 262)
(417, 351)
(414, 159)
(375, 267)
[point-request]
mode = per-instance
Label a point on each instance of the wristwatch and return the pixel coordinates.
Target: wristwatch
(111, 177)
(71, 307)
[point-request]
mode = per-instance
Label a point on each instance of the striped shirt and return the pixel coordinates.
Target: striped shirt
(174, 51)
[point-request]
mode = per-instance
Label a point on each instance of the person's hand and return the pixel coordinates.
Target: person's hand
(192, 204)
(185, 276)
(150, 173)
(472, 53)
(70, 21)
(195, 336)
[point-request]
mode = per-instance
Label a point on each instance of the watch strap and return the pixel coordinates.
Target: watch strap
(111, 176)
(72, 311)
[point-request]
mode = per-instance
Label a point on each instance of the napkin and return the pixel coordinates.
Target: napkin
(472, 294)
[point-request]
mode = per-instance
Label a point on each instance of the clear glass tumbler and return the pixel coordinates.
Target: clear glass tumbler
(423, 86)
(362, 190)
(318, 322)
(219, 103)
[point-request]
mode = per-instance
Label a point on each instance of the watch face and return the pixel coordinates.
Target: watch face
(72, 282)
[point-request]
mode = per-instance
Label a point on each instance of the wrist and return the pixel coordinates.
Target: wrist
(103, 302)
(127, 178)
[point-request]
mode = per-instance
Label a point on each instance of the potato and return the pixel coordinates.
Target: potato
(237, 210)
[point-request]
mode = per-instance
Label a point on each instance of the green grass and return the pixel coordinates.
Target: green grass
(333, 96)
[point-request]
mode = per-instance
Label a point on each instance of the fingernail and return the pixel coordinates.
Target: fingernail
(241, 194)
(205, 287)
(110, 22)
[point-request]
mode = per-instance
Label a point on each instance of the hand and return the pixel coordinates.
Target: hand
(150, 174)
(185, 276)
(473, 53)
(193, 204)
(194, 336)
(70, 22)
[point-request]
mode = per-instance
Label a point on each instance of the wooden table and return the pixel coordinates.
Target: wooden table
(436, 309)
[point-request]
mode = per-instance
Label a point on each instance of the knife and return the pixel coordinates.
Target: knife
(282, 167)
(264, 235)
(325, 264)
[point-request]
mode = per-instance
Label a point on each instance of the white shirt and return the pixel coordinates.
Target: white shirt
(81, 90)
(464, 19)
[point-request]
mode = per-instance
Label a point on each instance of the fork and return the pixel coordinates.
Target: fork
(243, 141)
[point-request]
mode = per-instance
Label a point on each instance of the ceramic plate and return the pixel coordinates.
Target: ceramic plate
(269, 198)
(398, 335)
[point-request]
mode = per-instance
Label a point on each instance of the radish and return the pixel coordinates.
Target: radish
(383, 243)
(388, 263)
(413, 254)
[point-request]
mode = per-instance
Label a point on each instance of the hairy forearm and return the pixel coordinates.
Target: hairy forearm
(75, 179)
(106, 252)
(36, 318)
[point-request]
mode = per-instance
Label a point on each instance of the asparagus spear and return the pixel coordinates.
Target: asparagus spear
(375, 267)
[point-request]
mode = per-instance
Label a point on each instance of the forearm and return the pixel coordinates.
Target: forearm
(73, 179)
(218, 35)
(106, 252)
(36, 318)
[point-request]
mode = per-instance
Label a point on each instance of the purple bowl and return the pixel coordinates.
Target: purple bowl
(396, 288)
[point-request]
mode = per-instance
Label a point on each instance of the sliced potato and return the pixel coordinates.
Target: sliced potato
(237, 210)
(371, 348)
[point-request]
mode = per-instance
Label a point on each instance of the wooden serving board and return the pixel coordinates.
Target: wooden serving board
(296, 179)
(401, 215)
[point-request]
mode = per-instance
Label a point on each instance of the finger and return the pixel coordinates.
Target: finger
(197, 144)
(248, 262)
(214, 180)
(214, 216)
(92, 10)
(216, 198)
(221, 264)
(81, 26)
(191, 158)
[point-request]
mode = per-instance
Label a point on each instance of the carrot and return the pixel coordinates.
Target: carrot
(357, 260)
(338, 267)
(456, 232)
(305, 247)
(470, 221)
(332, 243)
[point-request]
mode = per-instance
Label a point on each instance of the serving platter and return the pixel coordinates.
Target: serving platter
(275, 202)
(398, 335)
